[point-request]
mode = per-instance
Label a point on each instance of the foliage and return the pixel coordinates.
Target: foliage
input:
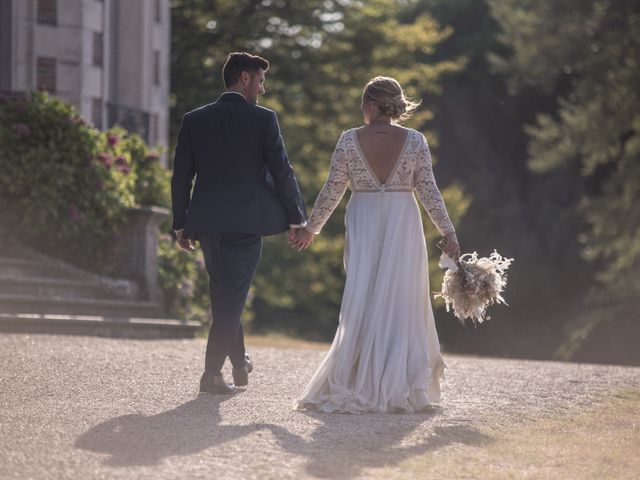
(183, 280)
(65, 183)
(587, 56)
(60, 178)
(321, 54)
(152, 186)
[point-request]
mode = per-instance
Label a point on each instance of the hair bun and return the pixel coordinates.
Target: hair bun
(387, 94)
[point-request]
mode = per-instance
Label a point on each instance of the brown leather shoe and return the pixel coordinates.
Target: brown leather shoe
(241, 374)
(215, 385)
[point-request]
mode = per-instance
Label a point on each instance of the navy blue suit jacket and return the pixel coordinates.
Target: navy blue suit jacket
(243, 179)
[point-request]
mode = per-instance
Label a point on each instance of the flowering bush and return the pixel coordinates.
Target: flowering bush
(151, 182)
(184, 281)
(57, 178)
(65, 188)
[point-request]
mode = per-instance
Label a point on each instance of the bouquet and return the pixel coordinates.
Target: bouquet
(472, 284)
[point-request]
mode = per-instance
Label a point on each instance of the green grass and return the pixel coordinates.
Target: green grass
(601, 442)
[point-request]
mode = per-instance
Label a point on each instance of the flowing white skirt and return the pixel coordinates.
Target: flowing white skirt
(385, 355)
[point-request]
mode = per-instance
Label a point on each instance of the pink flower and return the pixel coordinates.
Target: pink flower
(120, 160)
(74, 213)
(126, 169)
(113, 139)
(21, 129)
(105, 159)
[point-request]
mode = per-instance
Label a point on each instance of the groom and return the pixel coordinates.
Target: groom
(244, 189)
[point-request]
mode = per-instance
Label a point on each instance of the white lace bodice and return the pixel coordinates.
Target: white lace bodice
(412, 172)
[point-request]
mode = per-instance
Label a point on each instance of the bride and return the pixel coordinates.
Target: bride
(385, 356)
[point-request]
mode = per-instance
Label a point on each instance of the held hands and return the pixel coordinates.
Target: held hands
(449, 245)
(184, 242)
(300, 238)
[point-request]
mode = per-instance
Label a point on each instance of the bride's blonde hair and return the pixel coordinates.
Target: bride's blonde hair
(387, 94)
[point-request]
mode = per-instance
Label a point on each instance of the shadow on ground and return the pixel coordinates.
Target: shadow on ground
(343, 445)
(340, 447)
(146, 440)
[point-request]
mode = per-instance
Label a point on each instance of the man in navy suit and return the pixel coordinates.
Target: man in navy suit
(245, 188)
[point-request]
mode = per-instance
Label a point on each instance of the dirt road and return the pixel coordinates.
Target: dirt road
(83, 408)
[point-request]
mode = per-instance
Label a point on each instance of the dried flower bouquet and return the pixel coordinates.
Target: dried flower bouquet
(473, 284)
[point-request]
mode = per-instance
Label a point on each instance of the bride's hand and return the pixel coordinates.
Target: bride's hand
(450, 246)
(304, 238)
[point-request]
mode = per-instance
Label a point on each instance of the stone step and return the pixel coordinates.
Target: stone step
(27, 267)
(55, 287)
(127, 327)
(13, 303)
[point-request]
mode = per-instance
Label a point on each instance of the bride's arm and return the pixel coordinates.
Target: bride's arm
(332, 191)
(429, 193)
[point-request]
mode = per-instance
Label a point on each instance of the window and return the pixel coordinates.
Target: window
(98, 49)
(47, 14)
(96, 112)
(158, 11)
(46, 74)
(156, 67)
(6, 47)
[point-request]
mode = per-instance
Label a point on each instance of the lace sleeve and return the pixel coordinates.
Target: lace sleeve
(428, 191)
(332, 191)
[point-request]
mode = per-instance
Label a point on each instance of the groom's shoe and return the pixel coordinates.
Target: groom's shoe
(241, 374)
(215, 385)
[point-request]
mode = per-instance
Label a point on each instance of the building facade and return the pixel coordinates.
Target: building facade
(109, 58)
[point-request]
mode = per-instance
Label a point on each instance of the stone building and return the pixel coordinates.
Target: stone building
(109, 58)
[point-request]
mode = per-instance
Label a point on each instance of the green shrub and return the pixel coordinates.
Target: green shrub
(60, 186)
(184, 281)
(65, 188)
(152, 181)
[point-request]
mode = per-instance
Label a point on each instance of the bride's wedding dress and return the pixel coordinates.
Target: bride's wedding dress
(385, 355)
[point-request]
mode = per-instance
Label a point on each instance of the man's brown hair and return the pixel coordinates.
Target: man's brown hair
(238, 62)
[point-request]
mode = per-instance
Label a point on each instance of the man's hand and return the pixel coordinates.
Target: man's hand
(184, 242)
(303, 239)
(291, 236)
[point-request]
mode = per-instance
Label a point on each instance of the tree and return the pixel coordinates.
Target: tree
(586, 55)
(320, 63)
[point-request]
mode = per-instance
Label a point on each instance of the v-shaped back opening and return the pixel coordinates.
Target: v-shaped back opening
(374, 176)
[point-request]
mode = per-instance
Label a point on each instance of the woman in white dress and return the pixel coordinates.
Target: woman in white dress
(385, 356)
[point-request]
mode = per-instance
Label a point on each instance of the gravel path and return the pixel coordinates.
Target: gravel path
(83, 408)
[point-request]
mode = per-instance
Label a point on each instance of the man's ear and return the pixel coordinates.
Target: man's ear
(245, 77)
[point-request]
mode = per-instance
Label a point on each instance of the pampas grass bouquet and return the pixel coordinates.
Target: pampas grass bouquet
(472, 284)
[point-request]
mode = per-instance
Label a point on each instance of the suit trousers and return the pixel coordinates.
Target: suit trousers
(231, 260)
